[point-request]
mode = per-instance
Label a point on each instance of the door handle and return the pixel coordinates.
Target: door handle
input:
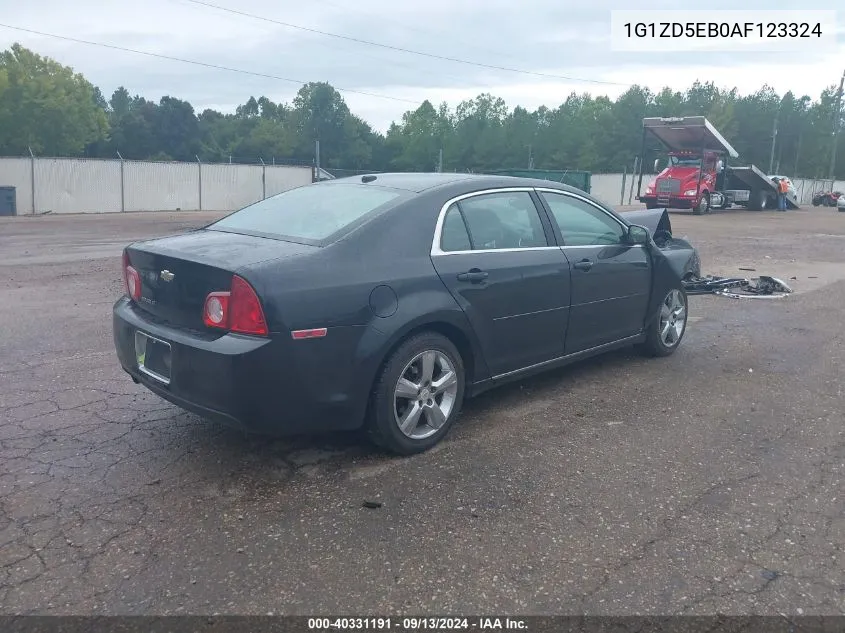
(584, 264)
(474, 275)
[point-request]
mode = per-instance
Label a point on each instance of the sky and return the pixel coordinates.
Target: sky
(568, 43)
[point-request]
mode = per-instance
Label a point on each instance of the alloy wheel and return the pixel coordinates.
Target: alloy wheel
(673, 318)
(425, 394)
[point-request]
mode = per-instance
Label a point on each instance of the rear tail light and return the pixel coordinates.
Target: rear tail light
(216, 309)
(238, 310)
(131, 279)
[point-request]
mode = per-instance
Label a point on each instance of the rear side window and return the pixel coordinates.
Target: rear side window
(454, 236)
(503, 220)
(311, 212)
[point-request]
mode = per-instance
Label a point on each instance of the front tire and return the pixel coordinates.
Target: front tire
(669, 325)
(703, 205)
(418, 395)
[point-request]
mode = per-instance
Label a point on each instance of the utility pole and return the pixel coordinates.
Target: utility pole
(440, 162)
(774, 139)
(837, 109)
(530, 157)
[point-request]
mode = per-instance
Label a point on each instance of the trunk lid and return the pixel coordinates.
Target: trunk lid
(178, 272)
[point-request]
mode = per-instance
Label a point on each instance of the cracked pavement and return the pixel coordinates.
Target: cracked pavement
(709, 482)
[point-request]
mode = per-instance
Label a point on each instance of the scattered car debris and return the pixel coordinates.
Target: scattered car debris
(685, 260)
(372, 504)
(737, 287)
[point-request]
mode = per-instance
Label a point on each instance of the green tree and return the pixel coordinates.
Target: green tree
(46, 106)
(320, 114)
(177, 128)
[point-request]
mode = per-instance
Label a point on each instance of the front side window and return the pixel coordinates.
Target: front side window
(503, 220)
(311, 212)
(582, 224)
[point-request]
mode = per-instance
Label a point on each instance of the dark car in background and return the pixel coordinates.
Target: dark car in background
(384, 301)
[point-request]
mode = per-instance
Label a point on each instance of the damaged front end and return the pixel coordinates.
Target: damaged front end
(682, 256)
(684, 260)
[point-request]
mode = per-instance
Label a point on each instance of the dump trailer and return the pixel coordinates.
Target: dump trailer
(697, 173)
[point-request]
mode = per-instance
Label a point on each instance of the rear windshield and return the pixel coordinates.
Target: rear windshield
(312, 212)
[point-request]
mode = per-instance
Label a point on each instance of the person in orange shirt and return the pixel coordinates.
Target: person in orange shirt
(783, 187)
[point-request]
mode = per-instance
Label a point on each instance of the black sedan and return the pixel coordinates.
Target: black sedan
(382, 302)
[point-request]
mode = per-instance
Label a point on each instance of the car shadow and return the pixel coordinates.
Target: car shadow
(272, 460)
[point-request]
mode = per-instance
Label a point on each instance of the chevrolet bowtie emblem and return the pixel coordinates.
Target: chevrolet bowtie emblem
(166, 275)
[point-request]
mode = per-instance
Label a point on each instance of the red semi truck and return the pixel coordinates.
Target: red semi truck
(697, 175)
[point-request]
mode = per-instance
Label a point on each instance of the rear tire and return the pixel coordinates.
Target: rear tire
(669, 324)
(759, 200)
(418, 395)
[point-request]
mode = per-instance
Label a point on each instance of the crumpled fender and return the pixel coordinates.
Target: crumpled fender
(666, 277)
(682, 256)
(673, 259)
(655, 220)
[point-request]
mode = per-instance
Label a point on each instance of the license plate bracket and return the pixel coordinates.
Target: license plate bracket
(153, 357)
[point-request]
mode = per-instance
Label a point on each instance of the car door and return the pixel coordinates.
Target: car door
(610, 279)
(495, 252)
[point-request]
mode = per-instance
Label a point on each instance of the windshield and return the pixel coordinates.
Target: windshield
(311, 212)
(684, 161)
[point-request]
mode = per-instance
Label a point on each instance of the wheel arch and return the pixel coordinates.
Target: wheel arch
(470, 355)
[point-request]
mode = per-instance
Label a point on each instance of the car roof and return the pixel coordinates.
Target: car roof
(417, 182)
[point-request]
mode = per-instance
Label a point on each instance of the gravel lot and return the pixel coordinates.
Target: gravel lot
(711, 481)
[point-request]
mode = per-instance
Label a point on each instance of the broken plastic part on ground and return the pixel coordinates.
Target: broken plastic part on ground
(684, 259)
(762, 287)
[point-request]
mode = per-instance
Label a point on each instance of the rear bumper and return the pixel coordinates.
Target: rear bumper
(271, 386)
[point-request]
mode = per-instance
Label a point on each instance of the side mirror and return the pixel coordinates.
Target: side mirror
(720, 166)
(656, 165)
(638, 234)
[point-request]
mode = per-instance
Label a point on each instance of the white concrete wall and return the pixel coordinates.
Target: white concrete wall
(17, 173)
(152, 186)
(281, 179)
(65, 185)
(608, 187)
(70, 185)
(229, 187)
(805, 188)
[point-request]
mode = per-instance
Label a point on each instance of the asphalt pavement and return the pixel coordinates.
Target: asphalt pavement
(712, 481)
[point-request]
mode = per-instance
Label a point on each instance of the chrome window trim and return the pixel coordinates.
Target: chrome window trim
(590, 203)
(438, 229)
